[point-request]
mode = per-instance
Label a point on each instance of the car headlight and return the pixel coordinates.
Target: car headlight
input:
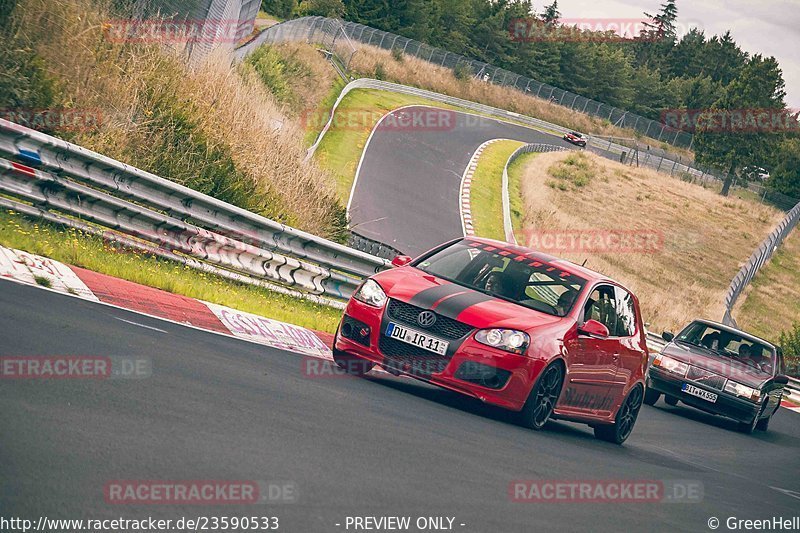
(742, 390)
(510, 340)
(671, 365)
(371, 293)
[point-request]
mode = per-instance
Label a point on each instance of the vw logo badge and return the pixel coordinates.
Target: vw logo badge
(426, 319)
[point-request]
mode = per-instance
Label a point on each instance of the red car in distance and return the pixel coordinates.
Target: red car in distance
(507, 325)
(575, 138)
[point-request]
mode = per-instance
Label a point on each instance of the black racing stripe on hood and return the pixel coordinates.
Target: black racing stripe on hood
(428, 297)
(454, 306)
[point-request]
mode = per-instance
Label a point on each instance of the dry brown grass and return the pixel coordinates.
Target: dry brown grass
(420, 73)
(143, 92)
(314, 85)
(705, 238)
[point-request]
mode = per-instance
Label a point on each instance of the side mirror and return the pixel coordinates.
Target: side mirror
(781, 379)
(667, 336)
(401, 261)
(593, 328)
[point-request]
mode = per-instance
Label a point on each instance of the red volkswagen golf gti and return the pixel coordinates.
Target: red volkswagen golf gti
(509, 326)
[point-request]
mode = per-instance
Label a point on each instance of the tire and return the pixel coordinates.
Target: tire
(621, 429)
(543, 397)
(651, 396)
(749, 427)
(670, 400)
(763, 424)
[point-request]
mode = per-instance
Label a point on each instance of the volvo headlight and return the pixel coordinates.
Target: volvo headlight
(510, 340)
(742, 390)
(671, 365)
(371, 293)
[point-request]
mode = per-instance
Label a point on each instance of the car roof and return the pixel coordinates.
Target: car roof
(569, 266)
(731, 329)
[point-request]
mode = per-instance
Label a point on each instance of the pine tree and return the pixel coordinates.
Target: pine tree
(551, 14)
(759, 85)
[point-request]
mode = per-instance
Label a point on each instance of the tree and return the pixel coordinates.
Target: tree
(654, 44)
(413, 18)
(785, 175)
(551, 14)
(759, 85)
(663, 23)
(373, 13)
(280, 8)
(452, 26)
(649, 96)
(723, 58)
(688, 56)
(323, 8)
(610, 75)
(692, 93)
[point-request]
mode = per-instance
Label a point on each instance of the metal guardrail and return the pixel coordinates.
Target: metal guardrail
(793, 389)
(333, 34)
(508, 228)
(762, 254)
(491, 74)
(605, 146)
(655, 343)
(74, 183)
(330, 33)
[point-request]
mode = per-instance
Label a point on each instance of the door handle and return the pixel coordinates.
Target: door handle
(616, 356)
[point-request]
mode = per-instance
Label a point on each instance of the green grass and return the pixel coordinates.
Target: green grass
(90, 252)
(771, 302)
(486, 198)
(323, 110)
(515, 172)
(573, 172)
(43, 281)
(341, 148)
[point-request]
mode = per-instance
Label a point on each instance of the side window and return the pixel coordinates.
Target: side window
(601, 306)
(626, 313)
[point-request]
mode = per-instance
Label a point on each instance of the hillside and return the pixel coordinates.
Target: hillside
(699, 241)
(215, 129)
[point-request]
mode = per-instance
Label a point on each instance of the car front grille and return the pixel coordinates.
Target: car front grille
(709, 379)
(411, 359)
(444, 326)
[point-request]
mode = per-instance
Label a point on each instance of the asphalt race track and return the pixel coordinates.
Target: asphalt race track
(216, 408)
(407, 189)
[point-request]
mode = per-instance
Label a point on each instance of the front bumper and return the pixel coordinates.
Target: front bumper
(490, 375)
(727, 405)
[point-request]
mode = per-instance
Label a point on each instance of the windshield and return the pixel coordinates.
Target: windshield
(744, 350)
(505, 274)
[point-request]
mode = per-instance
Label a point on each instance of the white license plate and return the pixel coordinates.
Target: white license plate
(417, 338)
(700, 393)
